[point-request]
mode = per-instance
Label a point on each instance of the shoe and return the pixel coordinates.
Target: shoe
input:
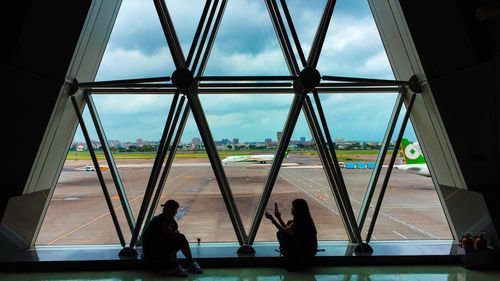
(179, 271)
(194, 267)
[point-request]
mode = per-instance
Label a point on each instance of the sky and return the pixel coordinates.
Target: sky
(246, 44)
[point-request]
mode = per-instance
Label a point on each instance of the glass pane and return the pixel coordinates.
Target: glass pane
(357, 124)
(411, 208)
(306, 17)
(352, 45)
(185, 16)
(302, 176)
(133, 125)
(77, 212)
(191, 182)
(246, 139)
(137, 47)
(246, 43)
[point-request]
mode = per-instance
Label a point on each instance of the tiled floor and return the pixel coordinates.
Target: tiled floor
(385, 273)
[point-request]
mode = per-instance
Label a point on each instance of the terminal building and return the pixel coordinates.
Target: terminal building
(79, 208)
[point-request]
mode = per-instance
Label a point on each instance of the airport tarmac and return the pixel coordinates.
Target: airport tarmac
(78, 213)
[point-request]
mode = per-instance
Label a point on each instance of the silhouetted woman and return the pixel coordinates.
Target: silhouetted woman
(297, 238)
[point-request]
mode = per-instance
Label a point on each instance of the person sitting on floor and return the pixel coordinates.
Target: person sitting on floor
(162, 240)
(297, 238)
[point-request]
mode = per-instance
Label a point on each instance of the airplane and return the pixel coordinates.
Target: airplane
(259, 159)
(89, 168)
(414, 160)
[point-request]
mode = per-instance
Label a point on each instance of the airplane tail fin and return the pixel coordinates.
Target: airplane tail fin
(286, 152)
(411, 152)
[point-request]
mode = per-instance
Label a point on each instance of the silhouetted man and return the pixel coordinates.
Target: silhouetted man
(162, 240)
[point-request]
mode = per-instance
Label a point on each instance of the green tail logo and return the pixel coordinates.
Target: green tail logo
(411, 152)
(286, 152)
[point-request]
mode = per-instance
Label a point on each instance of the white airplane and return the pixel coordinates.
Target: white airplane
(259, 159)
(414, 160)
(89, 168)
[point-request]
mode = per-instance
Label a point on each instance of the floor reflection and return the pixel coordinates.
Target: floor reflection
(341, 273)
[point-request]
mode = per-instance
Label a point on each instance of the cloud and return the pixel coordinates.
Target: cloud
(127, 64)
(123, 105)
(246, 44)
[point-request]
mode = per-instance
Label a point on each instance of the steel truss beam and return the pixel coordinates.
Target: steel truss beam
(319, 38)
(111, 163)
(328, 166)
(372, 184)
(390, 167)
(294, 33)
(198, 114)
(157, 166)
(293, 115)
(216, 164)
(170, 35)
(211, 40)
(282, 35)
(170, 159)
(201, 25)
(249, 90)
(97, 168)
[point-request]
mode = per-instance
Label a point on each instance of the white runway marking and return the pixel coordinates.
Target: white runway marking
(413, 227)
(105, 214)
(399, 234)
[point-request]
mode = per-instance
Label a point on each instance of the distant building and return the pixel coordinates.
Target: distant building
(224, 141)
(195, 141)
(80, 147)
(236, 140)
(302, 139)
(278, 136)
(268, 142)
(139, 142)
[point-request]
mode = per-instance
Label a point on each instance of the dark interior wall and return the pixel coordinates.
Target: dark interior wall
(38, 38)
(458, 44)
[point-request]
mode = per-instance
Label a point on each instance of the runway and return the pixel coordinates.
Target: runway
(78, 213)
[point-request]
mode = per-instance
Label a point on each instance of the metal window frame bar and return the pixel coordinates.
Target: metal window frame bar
(155, 171)
(390, 167)
(211, 40)
(97, 168)
(319, 38)
(328, 165)
(249, 90)
(329, 140)
(139, 82)
(342, 191)
(282, 35)
(375, 82)
(372, 184)
(115, 83)
(169, 31)
(296, 40)
(255, 85)
(201, 24)
(111, 163)
(204, 36)
(202, 124)
(245, 78)
(216, 164)
(168, 163)
(331, 148)
(293, 115)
